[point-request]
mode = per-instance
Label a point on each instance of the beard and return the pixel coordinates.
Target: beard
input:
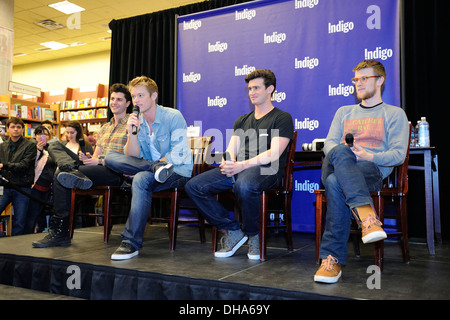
(367, 94)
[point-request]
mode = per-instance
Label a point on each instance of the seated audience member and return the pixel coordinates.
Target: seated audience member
(158, 157)
(51, 128)
(258, 154)
(87, 168)
(44, 170)
(350, 171)
(17, 157)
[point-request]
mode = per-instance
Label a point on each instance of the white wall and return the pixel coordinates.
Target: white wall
(76, 72)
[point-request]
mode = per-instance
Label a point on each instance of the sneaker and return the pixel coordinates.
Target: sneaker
(124, 252)
(329, 271)
(370, 225)
(163, 171)
(74, 179)
(253, 247)
(230, 242)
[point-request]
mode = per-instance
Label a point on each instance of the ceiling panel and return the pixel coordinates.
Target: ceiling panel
(94, 25)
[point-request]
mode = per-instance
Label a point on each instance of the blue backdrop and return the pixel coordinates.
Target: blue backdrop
(311, 46)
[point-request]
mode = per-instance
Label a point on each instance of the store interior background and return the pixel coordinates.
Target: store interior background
(73, 67)
(426, 54)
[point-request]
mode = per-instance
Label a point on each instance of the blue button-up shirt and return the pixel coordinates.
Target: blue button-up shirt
(170, 140)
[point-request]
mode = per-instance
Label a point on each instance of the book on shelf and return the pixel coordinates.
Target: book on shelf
(83, 103)
(32, 112)
(3, 108)
(83, 114)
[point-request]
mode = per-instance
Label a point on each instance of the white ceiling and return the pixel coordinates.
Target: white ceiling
(93, 27)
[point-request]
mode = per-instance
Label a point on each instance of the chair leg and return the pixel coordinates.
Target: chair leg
(201, 227)
(319, 205)
(288, 221)
(214, 239)
(379, 246)
(404, 227)
(263, 227)
(106, 215)
(174, 213)
(72, 213)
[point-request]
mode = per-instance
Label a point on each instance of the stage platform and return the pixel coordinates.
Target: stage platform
(85, 271)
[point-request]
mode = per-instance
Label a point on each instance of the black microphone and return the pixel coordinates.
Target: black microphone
(228, 158)
(82, 145)
(349, 139)
(136, 112)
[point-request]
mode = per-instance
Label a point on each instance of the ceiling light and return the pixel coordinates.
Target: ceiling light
(66, 7)
(76, 44)
(54, 45)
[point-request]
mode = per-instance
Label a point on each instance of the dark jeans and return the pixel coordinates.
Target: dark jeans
(143, 186)
(100, 176)
(35, 209)
(348, 183)
(248, 187)
(20, 204)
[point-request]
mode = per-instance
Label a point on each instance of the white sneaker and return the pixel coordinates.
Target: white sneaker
(163, 172)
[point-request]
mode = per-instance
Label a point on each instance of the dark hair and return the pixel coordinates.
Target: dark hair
(15, 121)
(48, 122)
(77, 126)
(40, 130)
(119, 87)
(267, 75)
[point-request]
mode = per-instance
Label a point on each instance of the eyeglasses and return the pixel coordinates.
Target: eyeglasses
(363, 80)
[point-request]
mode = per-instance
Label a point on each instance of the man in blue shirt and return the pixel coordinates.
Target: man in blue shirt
(158, 157)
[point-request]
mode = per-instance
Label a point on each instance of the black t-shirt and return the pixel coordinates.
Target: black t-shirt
(256, 134)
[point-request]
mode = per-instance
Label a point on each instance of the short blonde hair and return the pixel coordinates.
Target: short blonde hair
(144, 81)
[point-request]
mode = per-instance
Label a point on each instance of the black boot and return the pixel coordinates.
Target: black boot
(57, 237)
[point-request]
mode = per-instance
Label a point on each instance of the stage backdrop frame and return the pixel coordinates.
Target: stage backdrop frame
(311, 46)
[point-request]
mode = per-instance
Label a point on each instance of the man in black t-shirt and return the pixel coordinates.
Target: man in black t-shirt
(257, 155)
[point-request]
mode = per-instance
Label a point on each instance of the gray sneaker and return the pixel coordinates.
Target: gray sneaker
(124, 252)
(74, 179)
(230, 242)
(253, 247)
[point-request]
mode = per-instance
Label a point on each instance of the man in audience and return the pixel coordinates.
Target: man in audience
(89, 170)
(157, 156)
(257, 156)
(352, 169)
(17, 156)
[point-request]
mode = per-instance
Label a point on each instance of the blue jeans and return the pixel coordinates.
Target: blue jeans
(247, 188)
(20, 204)
(142, 188)
(348, 183)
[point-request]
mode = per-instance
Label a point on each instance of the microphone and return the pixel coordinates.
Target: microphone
(136, 112)
(349, 139)
(228, 158)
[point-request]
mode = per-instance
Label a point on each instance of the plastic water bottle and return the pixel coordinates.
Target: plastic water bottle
(424, 133)
(416, 134)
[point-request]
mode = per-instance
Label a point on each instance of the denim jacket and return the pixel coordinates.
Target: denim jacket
(171, 141)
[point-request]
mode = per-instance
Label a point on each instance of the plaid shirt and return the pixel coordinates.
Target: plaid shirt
(113, 137)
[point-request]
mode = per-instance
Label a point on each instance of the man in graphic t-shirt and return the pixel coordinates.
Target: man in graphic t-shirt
(257, 151)
(351, 170)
